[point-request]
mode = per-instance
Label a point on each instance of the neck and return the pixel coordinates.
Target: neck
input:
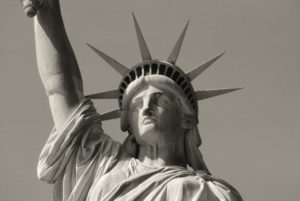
(163, 154)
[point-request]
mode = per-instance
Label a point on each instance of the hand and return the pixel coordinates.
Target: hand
(31, 7)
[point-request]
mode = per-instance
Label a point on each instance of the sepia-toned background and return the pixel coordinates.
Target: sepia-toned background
(250, 137)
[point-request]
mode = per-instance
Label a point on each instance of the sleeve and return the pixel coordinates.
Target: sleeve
(201, 187)
(78, 153)
(219, 189)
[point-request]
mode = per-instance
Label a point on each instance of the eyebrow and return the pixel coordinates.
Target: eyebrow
(135, 99)
(140, 96)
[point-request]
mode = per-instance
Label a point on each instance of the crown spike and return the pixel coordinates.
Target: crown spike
(112, 62)
(114, 114)
(114, 94)
(198, 70)
(142, 43)
(175, 52)
(200, 95)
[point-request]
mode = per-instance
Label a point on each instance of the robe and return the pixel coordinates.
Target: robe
(85, 164)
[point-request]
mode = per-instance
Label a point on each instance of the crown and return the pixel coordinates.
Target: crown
(149, 67)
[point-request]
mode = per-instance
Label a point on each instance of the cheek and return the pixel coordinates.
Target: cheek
(171, 115)
(134, 121)
(171, 120)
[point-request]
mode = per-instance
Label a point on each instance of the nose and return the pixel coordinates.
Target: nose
(148, 112)
(148, 109)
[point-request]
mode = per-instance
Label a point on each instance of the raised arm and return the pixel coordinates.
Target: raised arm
(57, 64)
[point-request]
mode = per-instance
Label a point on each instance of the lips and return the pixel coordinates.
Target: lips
(149, 120)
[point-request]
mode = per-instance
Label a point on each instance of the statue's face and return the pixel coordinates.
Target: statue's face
(155, 116)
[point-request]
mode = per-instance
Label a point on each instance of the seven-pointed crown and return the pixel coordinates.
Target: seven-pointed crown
(149, 67)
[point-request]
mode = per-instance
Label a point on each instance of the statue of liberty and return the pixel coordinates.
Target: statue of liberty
(160, 158)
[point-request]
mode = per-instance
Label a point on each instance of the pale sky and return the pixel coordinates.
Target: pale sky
(250, 137)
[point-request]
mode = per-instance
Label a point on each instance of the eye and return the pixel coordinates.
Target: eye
(161, 99)
(136, 104)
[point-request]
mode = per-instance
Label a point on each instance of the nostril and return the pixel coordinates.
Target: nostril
(148, 112)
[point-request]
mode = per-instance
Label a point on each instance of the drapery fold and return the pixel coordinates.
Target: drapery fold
(85, 164)
(75, 154)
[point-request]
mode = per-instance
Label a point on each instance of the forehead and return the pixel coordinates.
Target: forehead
(150, 90)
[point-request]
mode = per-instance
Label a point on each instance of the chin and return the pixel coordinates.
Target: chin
(148, 129)
(148, 133)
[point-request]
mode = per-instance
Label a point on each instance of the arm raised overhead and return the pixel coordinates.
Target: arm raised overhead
(56, 60)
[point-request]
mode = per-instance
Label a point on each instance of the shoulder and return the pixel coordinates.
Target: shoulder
(221, 187)
(201, 185)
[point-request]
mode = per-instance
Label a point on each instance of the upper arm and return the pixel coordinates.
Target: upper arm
(64, 96)
(57, 64)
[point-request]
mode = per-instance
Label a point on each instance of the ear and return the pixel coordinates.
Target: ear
(188, 122)
(124, 120)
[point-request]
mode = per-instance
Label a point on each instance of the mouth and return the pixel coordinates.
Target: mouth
(149, 120)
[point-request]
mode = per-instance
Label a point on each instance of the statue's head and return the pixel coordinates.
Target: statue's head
(157, 102)
(155, 110)
(152, 81)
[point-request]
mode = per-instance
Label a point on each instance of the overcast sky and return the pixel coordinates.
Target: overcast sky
(250, 137)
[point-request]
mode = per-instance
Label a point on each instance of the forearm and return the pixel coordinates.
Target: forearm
(57, 64)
